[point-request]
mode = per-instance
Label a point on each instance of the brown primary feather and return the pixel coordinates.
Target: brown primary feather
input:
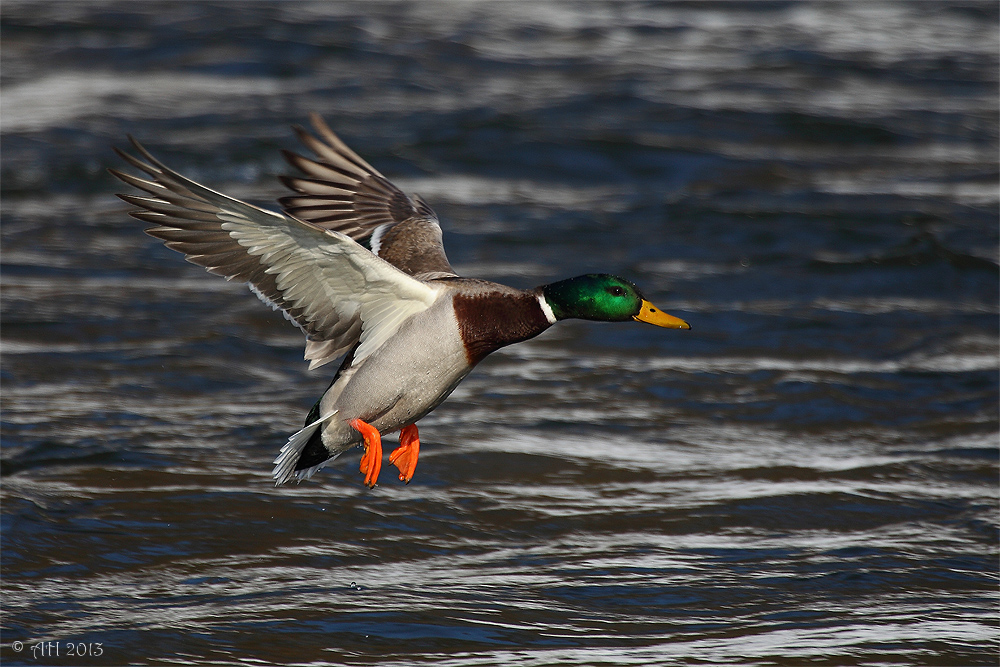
(344, 193)
(340, 192)
(185, 222)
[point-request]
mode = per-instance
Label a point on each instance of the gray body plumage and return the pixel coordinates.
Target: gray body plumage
(406, 378)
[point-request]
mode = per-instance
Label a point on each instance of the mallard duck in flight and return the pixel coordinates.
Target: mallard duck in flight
(360, 267)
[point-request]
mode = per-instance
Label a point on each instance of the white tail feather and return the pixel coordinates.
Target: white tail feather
(284, 465)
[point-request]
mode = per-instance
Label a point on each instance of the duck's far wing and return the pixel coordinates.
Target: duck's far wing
(344, 193)
(336, 291)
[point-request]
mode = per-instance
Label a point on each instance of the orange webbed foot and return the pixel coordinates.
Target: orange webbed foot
(405, 456)
(371, 461)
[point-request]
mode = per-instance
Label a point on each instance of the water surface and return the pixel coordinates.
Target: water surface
(809, 476)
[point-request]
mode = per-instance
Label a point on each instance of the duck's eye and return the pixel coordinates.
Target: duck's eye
(616, 291)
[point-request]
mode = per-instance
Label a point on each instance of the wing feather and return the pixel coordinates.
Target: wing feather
(340, 294)
(342, 192)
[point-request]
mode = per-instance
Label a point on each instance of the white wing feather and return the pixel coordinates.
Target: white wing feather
(338, 292)
(321, 270)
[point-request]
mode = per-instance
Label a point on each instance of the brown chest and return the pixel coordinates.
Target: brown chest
(488, 321)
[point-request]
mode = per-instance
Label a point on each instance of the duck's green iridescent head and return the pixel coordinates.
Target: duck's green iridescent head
(606, 298)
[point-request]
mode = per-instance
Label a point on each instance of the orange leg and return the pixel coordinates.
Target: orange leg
(405, 456)
(371, 461)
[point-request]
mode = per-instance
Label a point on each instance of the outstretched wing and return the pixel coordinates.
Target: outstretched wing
(335, 290)
(344, 193)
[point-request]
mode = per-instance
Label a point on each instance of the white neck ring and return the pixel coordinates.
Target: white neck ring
(546, 309)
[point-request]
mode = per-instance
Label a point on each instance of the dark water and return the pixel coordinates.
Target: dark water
(807, 477)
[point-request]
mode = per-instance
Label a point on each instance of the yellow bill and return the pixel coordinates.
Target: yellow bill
(653, 315)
